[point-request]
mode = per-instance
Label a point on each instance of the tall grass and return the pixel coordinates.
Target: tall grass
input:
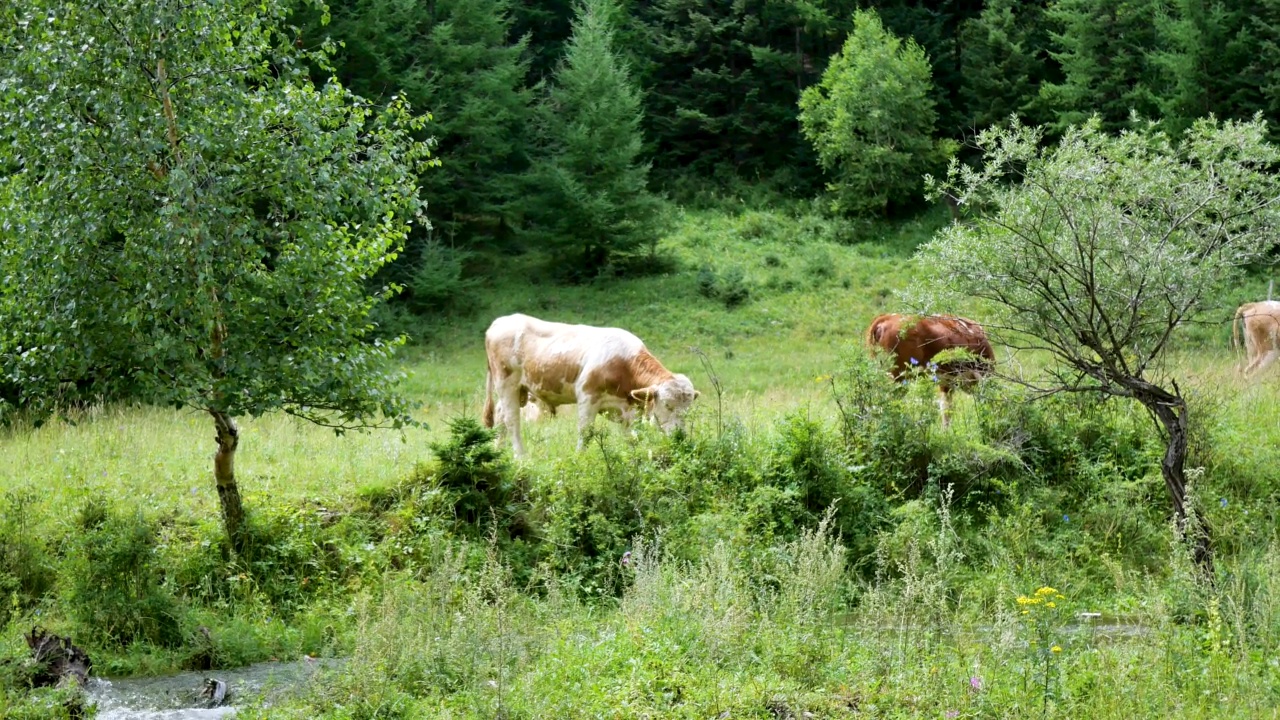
(777, 636)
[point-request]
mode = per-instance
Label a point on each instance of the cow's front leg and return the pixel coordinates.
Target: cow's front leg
(586, 413)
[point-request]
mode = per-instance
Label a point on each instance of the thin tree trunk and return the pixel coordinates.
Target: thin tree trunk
(224, 476)
(1171, 411)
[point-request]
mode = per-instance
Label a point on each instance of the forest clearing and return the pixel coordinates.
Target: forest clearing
(736, 597)
(250, 251)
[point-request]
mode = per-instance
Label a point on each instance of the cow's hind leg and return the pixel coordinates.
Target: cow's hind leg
(944, 404)
(1262, 362)
(508, 392)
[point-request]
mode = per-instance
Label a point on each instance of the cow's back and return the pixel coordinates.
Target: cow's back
(552, 356)
(908, 337)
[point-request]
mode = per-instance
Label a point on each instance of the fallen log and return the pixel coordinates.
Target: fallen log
(56, 659)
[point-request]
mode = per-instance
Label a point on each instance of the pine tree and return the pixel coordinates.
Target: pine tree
(1105, 49)
(1199, 61)
(1005, 58)
(871, 120)
(587, 200)
(451, 58)
(723, 78)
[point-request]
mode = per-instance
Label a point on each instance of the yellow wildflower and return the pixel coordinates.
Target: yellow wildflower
(1056, 648)
(1050, 604)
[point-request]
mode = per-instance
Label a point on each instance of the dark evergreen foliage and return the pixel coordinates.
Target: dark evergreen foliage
(587, 200)
(937, 26)
(1005, 52)
(1106, 51)
(722, 82)
(455, 60)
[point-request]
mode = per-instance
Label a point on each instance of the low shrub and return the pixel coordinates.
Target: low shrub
(477, 476)
(115, 591)
(807, 461)
(27, 568)
(729, 287)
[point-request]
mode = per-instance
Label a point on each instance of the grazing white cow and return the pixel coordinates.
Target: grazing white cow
(1261, 322)
(552, 364)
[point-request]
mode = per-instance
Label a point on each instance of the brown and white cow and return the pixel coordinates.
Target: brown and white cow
(552, 364)
(1261, 323)
(915, 341)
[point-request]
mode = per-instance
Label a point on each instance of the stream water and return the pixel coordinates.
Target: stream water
(177, 697)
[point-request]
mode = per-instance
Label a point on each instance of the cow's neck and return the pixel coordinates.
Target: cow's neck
(646, 371)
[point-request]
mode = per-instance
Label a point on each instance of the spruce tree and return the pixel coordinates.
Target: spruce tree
(1219, 58)
(722, 81)
(1105, 49)
(548, 24)
(1005, 57)
(1200, 63)
(587, 200)
(1257, 42)
(936, 25)
(453, 59)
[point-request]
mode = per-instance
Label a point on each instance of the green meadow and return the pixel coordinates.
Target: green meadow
(816, 545)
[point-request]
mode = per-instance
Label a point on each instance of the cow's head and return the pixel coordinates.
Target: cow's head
(668, 402)
(962, 367)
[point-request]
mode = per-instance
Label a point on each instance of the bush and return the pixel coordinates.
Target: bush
(809, 463)
(26, 568)
(116, 591)
(885, 425)
(733, 290)
(708, 283)
(819, 266)
(477, 475)
(730, 287)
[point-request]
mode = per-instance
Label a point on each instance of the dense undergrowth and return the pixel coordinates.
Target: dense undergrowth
(815, 543)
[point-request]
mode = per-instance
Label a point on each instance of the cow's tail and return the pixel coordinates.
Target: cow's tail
(874, 332)
(488, 396)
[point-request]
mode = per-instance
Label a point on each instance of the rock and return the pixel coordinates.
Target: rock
(214, 692)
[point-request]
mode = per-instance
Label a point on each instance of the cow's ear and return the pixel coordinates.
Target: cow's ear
(697, 394)
(643, 394)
